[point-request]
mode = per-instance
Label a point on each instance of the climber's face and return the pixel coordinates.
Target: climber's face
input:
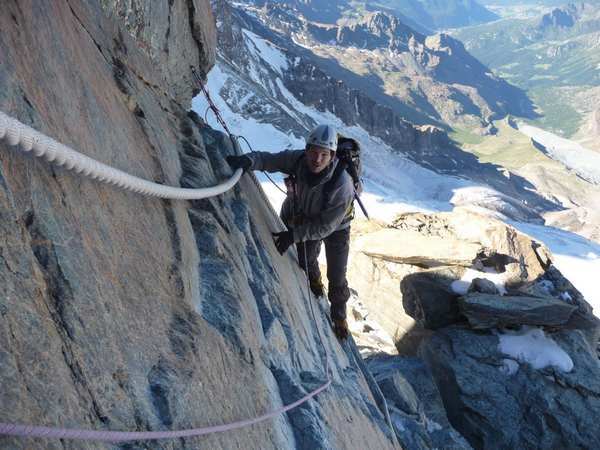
(318, 158)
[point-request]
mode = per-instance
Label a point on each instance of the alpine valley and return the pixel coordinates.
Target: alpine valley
(422, 105)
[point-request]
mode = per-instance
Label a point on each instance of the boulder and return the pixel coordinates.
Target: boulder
(495, 408)
(415, 404)
(484, 286)
(377, 284)
(492, 311)
(553, 284)
(428, 298)
(413, 248)
(500, 246)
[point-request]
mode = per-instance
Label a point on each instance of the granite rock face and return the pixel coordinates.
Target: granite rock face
(122, 312)
(176, 35)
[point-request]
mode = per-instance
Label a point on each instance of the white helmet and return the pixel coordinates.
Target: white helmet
(323, 136)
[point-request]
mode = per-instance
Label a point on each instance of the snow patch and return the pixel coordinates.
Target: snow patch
(462, 286)
(262, 136)
(509, 367)
(530, 345)
(573, 155)
(566, 296)
(432, 425)
(268, 52)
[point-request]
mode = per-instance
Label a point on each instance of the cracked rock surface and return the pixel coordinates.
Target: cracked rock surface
(122, 312)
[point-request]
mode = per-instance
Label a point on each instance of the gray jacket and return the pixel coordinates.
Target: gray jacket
(320, 220)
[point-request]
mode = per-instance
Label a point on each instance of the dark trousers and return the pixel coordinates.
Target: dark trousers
(337, 246)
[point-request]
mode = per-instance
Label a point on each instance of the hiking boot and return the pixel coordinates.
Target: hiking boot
(340, 328)
(317, 288)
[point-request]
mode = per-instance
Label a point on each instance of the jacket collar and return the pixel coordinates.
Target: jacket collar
(316, 179)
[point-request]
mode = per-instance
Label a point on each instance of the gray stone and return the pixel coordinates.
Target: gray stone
(415, 404)
(484, 286)
(534, 409)
(491, 311)
(175, 34)
(429, 300)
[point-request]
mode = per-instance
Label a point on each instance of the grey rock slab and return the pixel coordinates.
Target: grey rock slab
(484, 286)
(409, 247)
(491, 311)
(533, 409)
(124, 312)
(428, 298)
(415, 403)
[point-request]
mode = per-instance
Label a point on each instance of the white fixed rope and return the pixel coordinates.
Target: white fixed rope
(30, 140)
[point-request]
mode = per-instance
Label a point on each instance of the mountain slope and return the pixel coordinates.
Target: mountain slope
(437, 14)
(424, 79)
(555, 57)
(288, 90)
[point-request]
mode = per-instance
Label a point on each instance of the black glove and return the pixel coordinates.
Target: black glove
(239, 162)
(283, 240)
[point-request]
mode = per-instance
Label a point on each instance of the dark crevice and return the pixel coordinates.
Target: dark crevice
(197, 37)
(307, 422)
(88, 33)
(27, 101)
(60, 299)
(168, 33)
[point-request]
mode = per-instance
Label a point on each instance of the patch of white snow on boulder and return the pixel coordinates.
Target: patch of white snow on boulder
(462, 286)
(530, 345)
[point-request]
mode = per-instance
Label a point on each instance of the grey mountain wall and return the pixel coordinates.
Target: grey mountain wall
(130, 313)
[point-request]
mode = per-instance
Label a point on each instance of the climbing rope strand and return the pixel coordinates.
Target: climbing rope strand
(123, 436)
(312, 311)
(266, 174)
(30, 140)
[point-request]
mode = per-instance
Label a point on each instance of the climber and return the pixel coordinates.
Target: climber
(318, 208)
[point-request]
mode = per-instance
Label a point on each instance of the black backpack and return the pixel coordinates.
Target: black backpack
(348, 152)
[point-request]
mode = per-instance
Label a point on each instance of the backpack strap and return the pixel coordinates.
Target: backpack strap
(328, 188)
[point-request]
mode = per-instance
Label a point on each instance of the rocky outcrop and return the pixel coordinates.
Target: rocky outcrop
(416, 406)
(175, 35)
(429, 299)
(485, 311)
(122, 312)
(404, 275)
(501, 382)
(522, 407)
(501, 247)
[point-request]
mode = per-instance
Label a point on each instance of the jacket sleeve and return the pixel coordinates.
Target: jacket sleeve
(331, 217)
(285, 161)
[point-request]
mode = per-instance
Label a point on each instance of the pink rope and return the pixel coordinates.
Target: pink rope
(122, 436)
